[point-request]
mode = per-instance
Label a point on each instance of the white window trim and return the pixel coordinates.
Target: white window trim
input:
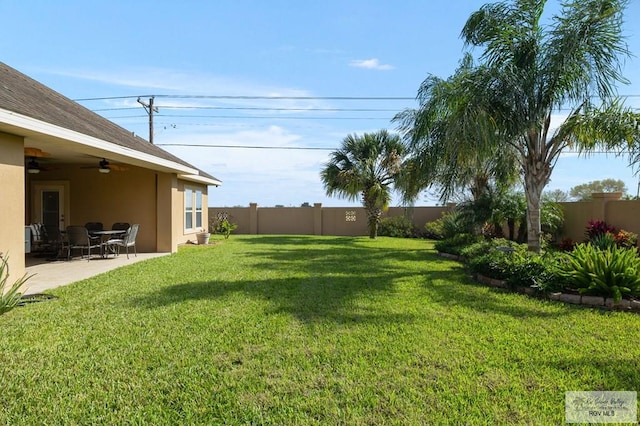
(194, 209)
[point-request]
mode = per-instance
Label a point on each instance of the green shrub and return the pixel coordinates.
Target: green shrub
(397, 226)
(9, 297)
(493, 264)
(604, 241)
(534, 270)
(455, 244)
(502, 259)
(613, 272)
(484, 246)
(434, 229)
(226, 228)
(454, 224)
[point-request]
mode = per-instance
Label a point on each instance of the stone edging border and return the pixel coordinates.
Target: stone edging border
(575, 299)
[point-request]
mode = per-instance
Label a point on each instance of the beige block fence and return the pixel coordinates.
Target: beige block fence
(352, 221)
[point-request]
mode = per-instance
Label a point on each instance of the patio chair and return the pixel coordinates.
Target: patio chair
(128, 240)
(120, 226)
(92, 227)
(37, 237)
(78, 238)
(54, 241)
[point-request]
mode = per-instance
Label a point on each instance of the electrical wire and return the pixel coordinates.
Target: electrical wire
(302, 148)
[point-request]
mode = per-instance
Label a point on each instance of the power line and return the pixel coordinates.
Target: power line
(244, 117)
(255, 109)
(308, 148)
(305, 148)
(247, 97)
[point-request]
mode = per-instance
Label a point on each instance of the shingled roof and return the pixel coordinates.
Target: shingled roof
(24, 95)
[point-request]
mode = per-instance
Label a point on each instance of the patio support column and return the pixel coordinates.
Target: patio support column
(12, 194)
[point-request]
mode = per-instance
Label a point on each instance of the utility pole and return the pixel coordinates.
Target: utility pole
(150, 110)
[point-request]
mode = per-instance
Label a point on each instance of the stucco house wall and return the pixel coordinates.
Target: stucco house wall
(12, 209)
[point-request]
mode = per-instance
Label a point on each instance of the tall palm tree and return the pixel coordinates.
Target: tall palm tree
(529, 71)
(452, 145)
(365, 166)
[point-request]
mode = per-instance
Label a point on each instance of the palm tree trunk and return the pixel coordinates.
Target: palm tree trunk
(536, 176)
(373, 216)
(374, 213)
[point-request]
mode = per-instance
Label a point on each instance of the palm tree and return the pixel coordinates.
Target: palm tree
(365, 166)
(452, 145)
(529, 72)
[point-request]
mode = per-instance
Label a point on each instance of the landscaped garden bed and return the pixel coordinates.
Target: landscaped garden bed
(603, 272)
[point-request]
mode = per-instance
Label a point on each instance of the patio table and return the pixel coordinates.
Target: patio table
(105, 235)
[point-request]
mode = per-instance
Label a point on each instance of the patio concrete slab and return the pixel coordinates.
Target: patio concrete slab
(57, 273)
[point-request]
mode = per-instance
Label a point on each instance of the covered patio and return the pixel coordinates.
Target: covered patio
(63, 165)
(48, 275)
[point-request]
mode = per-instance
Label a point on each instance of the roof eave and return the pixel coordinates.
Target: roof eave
(200, 179)
(51, 130)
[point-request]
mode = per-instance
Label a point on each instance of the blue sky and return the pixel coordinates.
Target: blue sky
(209, 62)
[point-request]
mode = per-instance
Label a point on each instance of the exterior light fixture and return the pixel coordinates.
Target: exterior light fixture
(104, 166)
(33, 167)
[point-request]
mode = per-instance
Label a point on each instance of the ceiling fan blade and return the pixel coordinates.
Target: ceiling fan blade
(35, 153)
(118, 168)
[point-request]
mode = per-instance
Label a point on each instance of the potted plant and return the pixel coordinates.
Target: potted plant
(203, 237)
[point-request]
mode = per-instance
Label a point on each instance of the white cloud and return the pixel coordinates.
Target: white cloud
(372, 64)
(183, 82)
(265, 176)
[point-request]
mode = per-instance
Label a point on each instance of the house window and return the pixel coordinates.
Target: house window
(198, 209)
(192, 209)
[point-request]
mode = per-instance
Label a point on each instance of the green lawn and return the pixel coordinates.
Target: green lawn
(304, 330)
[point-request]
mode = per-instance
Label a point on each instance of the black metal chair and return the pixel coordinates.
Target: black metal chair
(128, 240)
(120, 226)
(93, 227)
(55, 241)
(78, 238)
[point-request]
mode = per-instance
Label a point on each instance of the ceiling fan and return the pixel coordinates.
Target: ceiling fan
(33, 166)
(104, 166)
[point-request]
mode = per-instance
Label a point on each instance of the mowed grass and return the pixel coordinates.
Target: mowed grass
(304, 330)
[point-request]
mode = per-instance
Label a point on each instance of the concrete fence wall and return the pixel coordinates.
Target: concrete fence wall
(352, 221)
(316, 220)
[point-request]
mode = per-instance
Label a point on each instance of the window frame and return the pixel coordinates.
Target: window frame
(193, 209)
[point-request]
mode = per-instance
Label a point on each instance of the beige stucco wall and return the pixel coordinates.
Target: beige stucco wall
(576, 214)
(167, 212)
(320, 220)
(316, 220)
(182, 236)
(621, 214)
(286, 220)
(12, 211)
(624, 215)
(126, 196)
(151, 199)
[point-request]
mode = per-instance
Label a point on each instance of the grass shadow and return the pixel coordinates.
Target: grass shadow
(308, 300)
(469, 294)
